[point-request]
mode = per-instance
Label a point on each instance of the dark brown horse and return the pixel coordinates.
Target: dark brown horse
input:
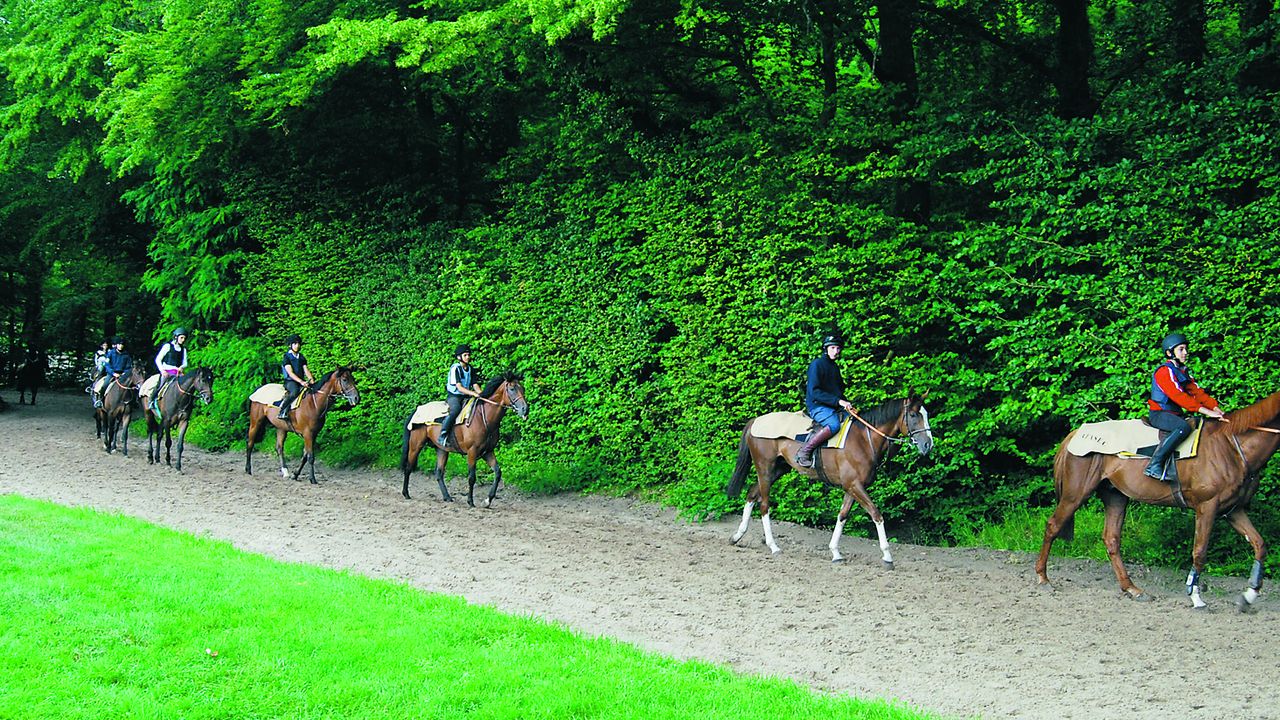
(175, 406)
(306, 420)
(119, 401)
(31, 376)
(872, 438)
(1218, 482)
(477, 437)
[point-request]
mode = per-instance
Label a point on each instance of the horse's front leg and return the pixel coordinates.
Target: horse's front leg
(1205, 514)
(310, 442)
(281, 434)
(1243, 525)
(859, 493)
(124, 429)
(471, 479)
(838, 530)
(182, 436)
(492, 460)
(442, 460)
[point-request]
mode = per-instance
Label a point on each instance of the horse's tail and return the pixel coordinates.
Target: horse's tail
(1061, 462)
(404, 447)
(743, 465)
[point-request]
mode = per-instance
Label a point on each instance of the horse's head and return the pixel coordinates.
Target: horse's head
(916, 420)
(515, 395)
(136, 377)
(345, 382)
(203, 383)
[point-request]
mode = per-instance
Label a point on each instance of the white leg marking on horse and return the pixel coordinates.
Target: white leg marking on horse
(768, 535)
(1250, 595)
(834, 545)
(284, 472)
(884, 543)
(1196, 602)
(746, 518)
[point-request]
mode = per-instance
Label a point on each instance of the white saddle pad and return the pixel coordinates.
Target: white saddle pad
(433, 413)
(1125, 437)
(273, 393)
(790, 424)
(149, 387)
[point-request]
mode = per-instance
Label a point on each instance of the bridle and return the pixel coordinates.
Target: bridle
(909, 434)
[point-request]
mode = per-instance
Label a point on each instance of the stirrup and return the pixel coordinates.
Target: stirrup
(803, 459)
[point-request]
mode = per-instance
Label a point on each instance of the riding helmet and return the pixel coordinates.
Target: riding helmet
(1173, 340)
(179, 331)
(295, 338)
(462, 349)
(117, 340)
(830, 340)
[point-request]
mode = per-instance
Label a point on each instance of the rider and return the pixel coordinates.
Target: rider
(458, 385)
(824, 399)
(171, 360)
(296, 374)
(99, 364)
(1173, 392)
(118, 363)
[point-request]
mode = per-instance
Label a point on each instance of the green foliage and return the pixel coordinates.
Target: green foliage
(655, 210)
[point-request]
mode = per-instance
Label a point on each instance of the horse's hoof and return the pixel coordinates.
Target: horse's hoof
(887, 564)
(448, 499)
(406, 495)
(734, 540)
(838, 560)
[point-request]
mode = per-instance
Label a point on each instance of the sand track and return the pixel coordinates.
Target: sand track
(957, 631)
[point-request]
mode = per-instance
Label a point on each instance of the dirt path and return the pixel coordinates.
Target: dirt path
(957, 631)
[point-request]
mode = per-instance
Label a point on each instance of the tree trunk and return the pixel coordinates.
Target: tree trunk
(827, 62)
(1188, 31)
(1075, 59)
(896, 70)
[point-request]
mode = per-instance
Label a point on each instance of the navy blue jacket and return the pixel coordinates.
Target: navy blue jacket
(118, 362)
(825, 385)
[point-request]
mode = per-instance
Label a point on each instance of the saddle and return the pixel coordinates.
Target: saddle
(795, 426)
(273, 394)
(148, 387)
(433, 413)
(1128, 438)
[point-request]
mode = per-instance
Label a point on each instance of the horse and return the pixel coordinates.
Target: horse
(872, 440)
(175, 405)
(30, 377)
(118, 402)
(477, 437)
(1218, 482)
(306, 420)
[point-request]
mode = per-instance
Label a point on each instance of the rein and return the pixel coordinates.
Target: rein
(910, 433)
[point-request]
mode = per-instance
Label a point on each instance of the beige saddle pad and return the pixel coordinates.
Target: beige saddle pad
(100, 384)
(433, 413)
(273, 393)
(1126, 438)
(149, 387)
(790, 424)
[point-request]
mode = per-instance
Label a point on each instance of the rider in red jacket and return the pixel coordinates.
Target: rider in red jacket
(1173, 392)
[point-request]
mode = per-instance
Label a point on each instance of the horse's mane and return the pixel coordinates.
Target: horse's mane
(886, 412)
(491, 387)
(320, 382)
(1259, 413)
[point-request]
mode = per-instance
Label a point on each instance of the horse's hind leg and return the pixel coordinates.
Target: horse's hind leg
(471, 479)
(1115, 505)
(1243, 525)
(280, 436)
(411, 459)
(1074, 479)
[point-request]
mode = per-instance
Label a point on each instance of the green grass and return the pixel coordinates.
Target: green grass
(104, 616)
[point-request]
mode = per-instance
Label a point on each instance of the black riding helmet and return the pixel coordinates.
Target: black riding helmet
(117, 340)
(1173, 340)
(295, 338)
(462, 349)
(830, 340)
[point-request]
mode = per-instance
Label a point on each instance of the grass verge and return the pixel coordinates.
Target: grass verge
(107, 616)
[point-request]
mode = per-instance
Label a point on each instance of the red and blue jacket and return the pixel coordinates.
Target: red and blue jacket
(1174, 390)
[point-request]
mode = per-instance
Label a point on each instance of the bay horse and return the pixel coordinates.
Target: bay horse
(477, 437)
(175, 404)
(306, 420)
(119, 400)
(1218, 482)
(872, 439)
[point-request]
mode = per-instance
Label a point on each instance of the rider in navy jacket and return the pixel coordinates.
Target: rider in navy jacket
(824, 399)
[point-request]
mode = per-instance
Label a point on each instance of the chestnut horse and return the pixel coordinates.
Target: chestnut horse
(1218, 482)
(174, 407)
(307, 419)
(477, 437)
(119, 400)
(873, 437)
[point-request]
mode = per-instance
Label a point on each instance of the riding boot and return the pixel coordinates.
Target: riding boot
(1164, 455)
(284, 407)
(804, 456)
